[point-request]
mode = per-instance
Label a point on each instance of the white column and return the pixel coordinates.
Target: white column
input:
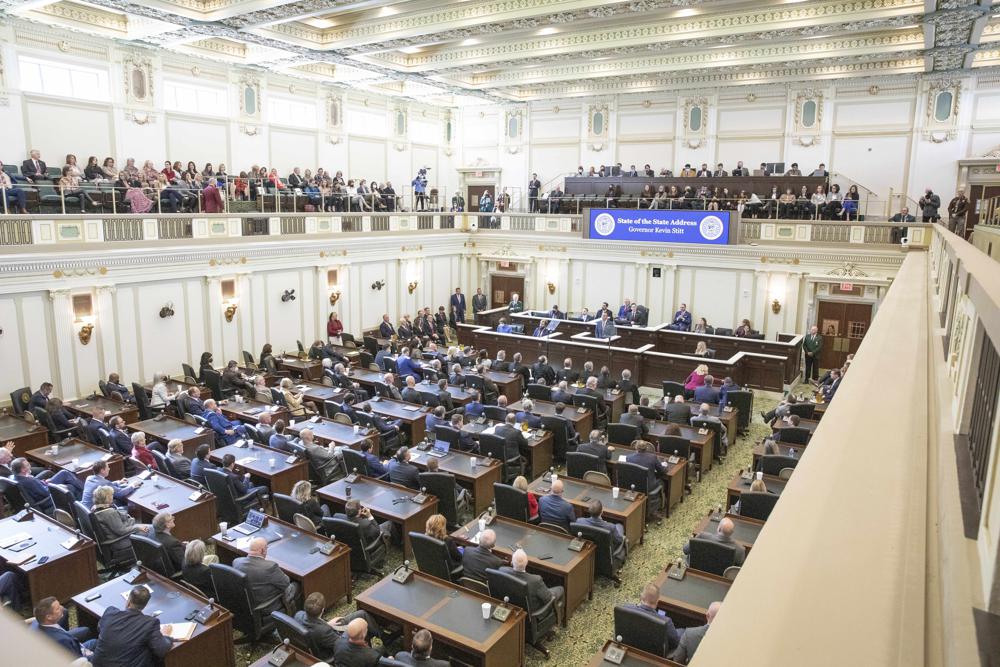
(760, 307)
(66, 341)
(107, 339)
(215, 318)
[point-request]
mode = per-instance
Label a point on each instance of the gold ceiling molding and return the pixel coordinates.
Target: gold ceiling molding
(227, 260)
(657, 253)
(411, 248)
(552, 248)
(78, 272)
(85, 14)
(764, 259)
(333, 253)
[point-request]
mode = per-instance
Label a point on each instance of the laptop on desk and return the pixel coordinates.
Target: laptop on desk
(254, 522)
(440, 449)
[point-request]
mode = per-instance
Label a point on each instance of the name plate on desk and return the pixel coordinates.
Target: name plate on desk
(195, 497)
(673, 460)
(200, 430)
(728, 408)
(703, 431)
(411, 408)
(107, 457)
(581, 410)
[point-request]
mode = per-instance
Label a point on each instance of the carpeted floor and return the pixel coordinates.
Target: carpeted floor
(592, 623)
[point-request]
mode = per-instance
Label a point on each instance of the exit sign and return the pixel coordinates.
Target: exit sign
(846, 287)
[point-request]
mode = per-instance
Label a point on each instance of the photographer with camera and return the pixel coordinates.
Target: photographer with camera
(420, 189)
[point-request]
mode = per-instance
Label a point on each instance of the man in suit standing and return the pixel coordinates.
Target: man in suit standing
(534, 185)
(479, 302)
(50, 616)
(633, 418)
(812, 346)
(595, 517)
(385, 328)
(34, 168)
(266, 579)
(647, 604)
(605, 327)
(553, 508)
(458, 305)
(515, 305)
(692, 637)
(402, 472)
(476, 560)
(130, 638)
(682, 319)
(539, 594)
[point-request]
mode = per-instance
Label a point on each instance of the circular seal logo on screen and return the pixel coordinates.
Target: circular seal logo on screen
(711, 227)
(605, 224)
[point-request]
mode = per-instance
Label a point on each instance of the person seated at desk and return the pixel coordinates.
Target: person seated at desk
(827, 377)
(419, 654)
(141, 453)
(542, 372)
(648, 600)
(323, 459)
(584, 315)
(232, 379)
(40, 397)
(195, 570)
(381, 424)
(36, 492)
(200, 463)
(504, 327)
(597, 446)
(695, 379)
(352, 649)
(292, 399)
(466, 442)
(406, 367)
(624, 309)
(566, 373)
(595, 517)
(705, 416)
(677, 411)
(128, 637)
(644, 456)
(371, 530)
(309, 506)
(385, 328)
(590, 389)
(707, 393)
(99, 477)
(456, 377)
(836, 376)
(692, 637)
(162, 524)
(114, 523)
(437, 527)
(193, 404)
(554, 509)
(525, 415)
(206, 364)
(556, 314)
(515, 443)
(633, 418)
(702, 350)
(434, 418)
(160, 396)
(444, 396)
(560, 393)
(410, 393)
(266, 579)
(728, 385)
(682, 319)
(262, 393)
(402, 472)
(227, 430)
(175, 455)
(476, 560)
(114, 384)
(324, 635)
(240, 486)
(521, 483)
(94, 427)
(384, 350)
(781, 410)
(52, 620)
(539, 594)
(474, 408)
(756, 486)
(723, 535)
(604, 379)
(744, 329)
(701, 326)
(627, 387)
(540, 331)
(789, 420)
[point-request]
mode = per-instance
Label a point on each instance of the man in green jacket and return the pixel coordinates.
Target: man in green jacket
(812, 346)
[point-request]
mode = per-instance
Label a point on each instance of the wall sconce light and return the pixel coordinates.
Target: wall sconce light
(552, 288)
(231, 309)
(412, 286)
(289, 295)
(334, 297)
(167, 310)
(86, 329)
(378, 285)
(775, 306)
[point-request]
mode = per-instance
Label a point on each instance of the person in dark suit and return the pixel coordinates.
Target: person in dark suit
(195, 568)
(379, 423)
(200, 463)
(352, 649)
(567, 373)
(476, 560)
(812, 347)
(163, 523)
(605, 327)
(707, 393)
(723, 535)
(526, 415)
(474, 408)
(682, 319)
(513, 438)
(644, 456)
(560, 393)
(539, 594)
(193, 403)
(444, 396)
(466, 442)
(41, 397)
(266, 579)
(903, 216)
(385, 328)
(324, 635)
(129, 638)
(692, 637)
(677, 411)
(114, 384)
(540, 370)
(647, 604)
(590, 389)
(402, 472)
(227, 430)
(479, 302)
(240, 486)
(705, 416)
(36, 491)
(51, 619)
(595, 517)
(836, 375)
(420, 651)
(633, 418)
(94, 426)
(405, 366)
(457, 303)
(553, 508)
(596, 446)
(371, 530)
(175, 455)
(629, 388)
(34, 167)
(534, 185)
(434, 419)
(727, 386)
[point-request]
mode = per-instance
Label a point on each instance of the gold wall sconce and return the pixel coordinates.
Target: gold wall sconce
(230, 311)
(86, 329)
(412, 286)
(552, 288)
(334, 297)
(775, 306)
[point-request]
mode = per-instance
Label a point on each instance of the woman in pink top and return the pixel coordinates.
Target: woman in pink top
(334, 327)
(696, 378)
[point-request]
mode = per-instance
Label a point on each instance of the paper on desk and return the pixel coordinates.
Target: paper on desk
(243, 544)
(491, 430)
(246, 459)
(411, 408)
(19, 558)
(16, 538)
(474, 539)
(181, 631)
(621, 458)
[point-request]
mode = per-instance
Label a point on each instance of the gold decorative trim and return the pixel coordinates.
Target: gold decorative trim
(227, 260)
(89, 271)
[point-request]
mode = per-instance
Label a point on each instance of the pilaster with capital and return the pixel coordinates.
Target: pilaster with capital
(760, 306)
(64, 339)
(106, 331)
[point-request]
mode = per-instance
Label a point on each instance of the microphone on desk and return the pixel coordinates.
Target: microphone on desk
(403, 573)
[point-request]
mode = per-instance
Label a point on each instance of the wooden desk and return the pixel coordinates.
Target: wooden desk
(633, 658)
(379, 497)
(88, 455)
(174, 387)
(66, 573)
(703, 446)
(674, 476)
(583, 422)
(210, 644)
(632, 515)
(164, 429)
(567, 568)
(414, 421)
(478, 480)
(317, 392)
(25, 436)
(808, 424)
(508, 384)
(730, 419)
(819, 409)
(256, 460)
(746, 531)
(86, 407)
(294, 553)
(686, 601)
(307, 369)
(737, 486)
(539, 452)
(195, 519)
(299, 658)
(326, 431)
(249, 412)
(453, 615)
(784, 448)
(614, 399)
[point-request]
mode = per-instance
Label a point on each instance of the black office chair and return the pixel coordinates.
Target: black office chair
(83, 521)
(590, 402)
(12, 494)
(649, 413)
(162, 464)
(354, 461)
(540, 621)
(539, 392)
(634, 476)
(248, 360)
(757, 504)
(671, 389)
(62, 497)
(116, 551)
(286, 507)
(512, 503)
(142, 403)
(646, 632)
(293, 631)
(493, 446)
(623, 434)
(432, 557)
(773, 464)
(564, 436)
(608, 559)
(716, 429)
(229, 507)
(442, 485)
(795, 435)
(213, 380)
(674, 445)
(189, 372)
(429, 399)
(742, 400)
(19, 399)
(723, 331)
(252, 617)
(710, 555)
(447, 434)
(153, 555)
(579, 463)
(803, 410)
(495, 413)
(366, 558)
(43, 417)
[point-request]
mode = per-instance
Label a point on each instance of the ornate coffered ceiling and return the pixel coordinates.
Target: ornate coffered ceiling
(449, 51)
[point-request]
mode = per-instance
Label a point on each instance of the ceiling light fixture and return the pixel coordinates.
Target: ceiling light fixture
(547, 31)
(472, 41)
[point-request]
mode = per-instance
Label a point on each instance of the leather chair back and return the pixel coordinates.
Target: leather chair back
(442, 485)
(803, 410)
(510, 502)
(152, 554)
(671, 388)
(668, 444)
(632, 474)
(19, 399)
(290, 629)
(354, 461)
(431, 554)
(286, 506)
(757, 504)
(646, 632)
(539, 392)
(539, 621)
(622, 434)
(772, 464)
(601, 537)
(233, 591)
(578, 463)
(711, 556)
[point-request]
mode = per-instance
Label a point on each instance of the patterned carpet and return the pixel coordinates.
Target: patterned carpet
(592, 623)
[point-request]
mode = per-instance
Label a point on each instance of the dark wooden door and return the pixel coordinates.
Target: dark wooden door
(475, 192)
(843, 326)
(501, 287)
(978, 194)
